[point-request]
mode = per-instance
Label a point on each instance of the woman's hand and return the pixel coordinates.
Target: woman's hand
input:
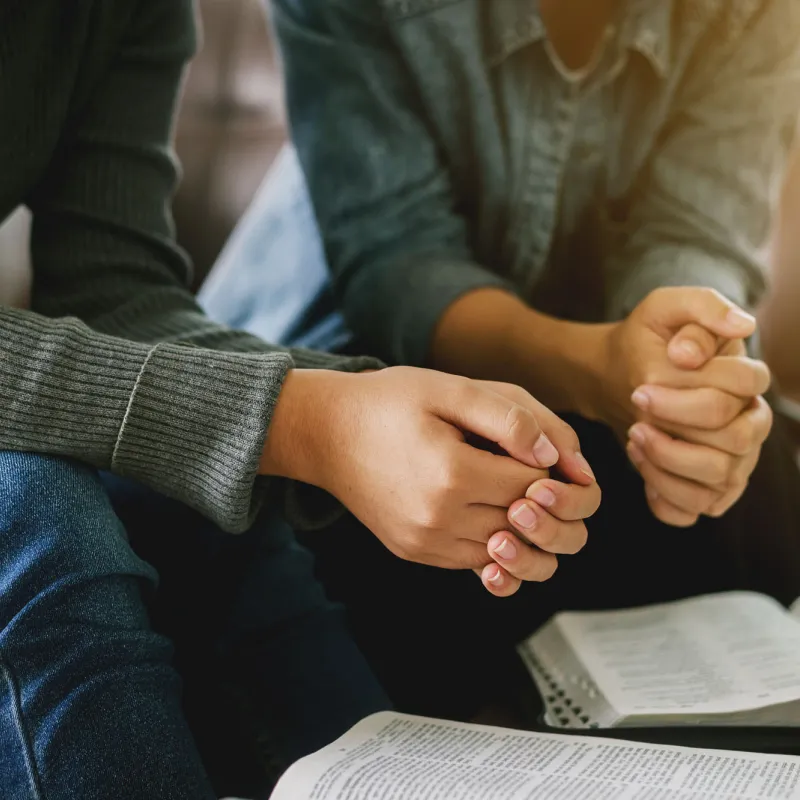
(551, 518)
(391, 446)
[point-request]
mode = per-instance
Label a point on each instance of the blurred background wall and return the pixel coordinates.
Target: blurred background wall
(231, 124)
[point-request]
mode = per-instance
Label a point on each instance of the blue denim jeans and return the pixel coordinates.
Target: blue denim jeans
(90, 702)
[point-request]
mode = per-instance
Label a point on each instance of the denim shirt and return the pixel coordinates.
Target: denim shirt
(447, 148)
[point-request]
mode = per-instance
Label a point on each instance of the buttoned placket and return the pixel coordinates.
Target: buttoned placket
(545, 183)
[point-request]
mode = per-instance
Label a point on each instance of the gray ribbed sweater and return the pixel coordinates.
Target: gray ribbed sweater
(116, 365)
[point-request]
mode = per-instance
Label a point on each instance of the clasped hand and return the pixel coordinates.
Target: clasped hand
(693, 411)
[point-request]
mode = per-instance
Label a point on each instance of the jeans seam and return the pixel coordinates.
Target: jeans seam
(19, 722)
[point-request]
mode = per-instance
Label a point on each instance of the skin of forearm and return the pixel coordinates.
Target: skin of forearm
(303, 434)
(490, 334)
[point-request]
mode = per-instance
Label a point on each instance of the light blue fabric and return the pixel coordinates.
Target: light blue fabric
(272, 280)
(446, 148)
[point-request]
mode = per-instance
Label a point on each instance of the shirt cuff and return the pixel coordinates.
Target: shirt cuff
(397, 310)
(670, 265)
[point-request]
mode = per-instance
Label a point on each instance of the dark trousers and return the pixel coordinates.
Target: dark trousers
(441, 645)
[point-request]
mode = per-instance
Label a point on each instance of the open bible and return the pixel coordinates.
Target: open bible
(396, 757)
(726, 659)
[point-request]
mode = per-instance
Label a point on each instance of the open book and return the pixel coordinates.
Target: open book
(725, 659)
(396, 757)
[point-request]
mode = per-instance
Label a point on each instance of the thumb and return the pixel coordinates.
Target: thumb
(473, 408)
(692, 347)
(671, 308)
(571, 462)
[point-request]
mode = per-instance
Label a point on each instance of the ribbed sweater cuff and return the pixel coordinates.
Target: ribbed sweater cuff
(314, 359)
(195, 427)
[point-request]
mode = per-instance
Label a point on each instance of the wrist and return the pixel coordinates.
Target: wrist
(299, 438)
(597, 364)
(564, 362)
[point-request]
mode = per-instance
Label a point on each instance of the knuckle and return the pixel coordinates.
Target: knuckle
(670, 515)
(511, 390)
(414, 545)
(678, 520)
(549, 568)
(700, 500)
(720, 471)
(449, 479)
(717, 510)
(547, 535)
(399, 549)
(738, 488)
(517, 421)
(473, 563)
(710, 295)
(567, 434)
(463, 393)
(581, 539)
(407, 548)
(734, 475)
(449, 482)
(743, 436)
(596, 500)
(544, 568)
(721, 410)
(754, 382)
(653, 375)
(724, 504)
(429, 513)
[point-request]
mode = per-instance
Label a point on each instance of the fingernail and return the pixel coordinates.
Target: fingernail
(543, 496)
(545, 452)
(506, 550)
(584, 465)
(497, 580)
(525, 517)
(638, 435)
(737, 318)
(651, 493)
(635, 454)
(641, 399)
(689, 349)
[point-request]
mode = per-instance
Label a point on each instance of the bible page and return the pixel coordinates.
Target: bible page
(721, 653)
(397, 757)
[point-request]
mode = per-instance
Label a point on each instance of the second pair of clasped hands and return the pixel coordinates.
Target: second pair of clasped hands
(393, 446)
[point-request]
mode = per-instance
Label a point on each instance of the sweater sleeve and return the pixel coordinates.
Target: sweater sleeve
(116, 365)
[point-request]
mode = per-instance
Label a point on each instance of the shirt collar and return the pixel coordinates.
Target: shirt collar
(513, 25)
(646, 27)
